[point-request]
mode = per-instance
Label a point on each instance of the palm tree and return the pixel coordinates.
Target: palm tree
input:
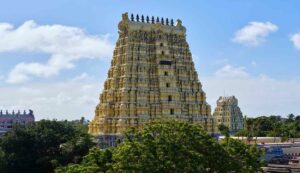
(277, 129)
(241, 133)
(224, 131)
(256, 126)
(291, 118)
(249, 128)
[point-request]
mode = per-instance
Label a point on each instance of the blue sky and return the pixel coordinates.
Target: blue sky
(55, 54)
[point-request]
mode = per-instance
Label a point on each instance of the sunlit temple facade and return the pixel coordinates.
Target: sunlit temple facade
(152, 75)
(228, 113)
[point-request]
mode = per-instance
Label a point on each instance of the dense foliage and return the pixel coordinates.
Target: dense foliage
(272, 126)
(224, 130)
(170, 147)
(94, 162)
(43, 146)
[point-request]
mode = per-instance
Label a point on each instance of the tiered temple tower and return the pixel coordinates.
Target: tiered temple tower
(152, 76)
(228, 113)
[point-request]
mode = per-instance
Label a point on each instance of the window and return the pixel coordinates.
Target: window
(162, 52)
(169, 98)
(172, 111)
(167, 85)
(165, 62)
(166, 73)
(161, 44)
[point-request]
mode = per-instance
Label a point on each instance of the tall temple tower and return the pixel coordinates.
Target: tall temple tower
(152, 76)
(228, 113)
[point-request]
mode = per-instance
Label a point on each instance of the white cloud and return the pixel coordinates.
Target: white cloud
(254, 33)
(258, 95)
(69, 99)
(295, 38)
(82, 77)
(230, 71)
(64, 44)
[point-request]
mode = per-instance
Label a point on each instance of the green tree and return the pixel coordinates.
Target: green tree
(224, 130)
(3, 162)
(256, 127)
(168, 147)
(265, 125)
(291, 118)
(297, 118)
(273, 126)
(242, 133)
(96, 161)
(249, 128)
(43, 146)
(295, 129)
(276, 130)
(243, 158)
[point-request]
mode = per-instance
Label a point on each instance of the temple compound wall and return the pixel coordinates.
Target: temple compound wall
(228, 113)
(152, 75)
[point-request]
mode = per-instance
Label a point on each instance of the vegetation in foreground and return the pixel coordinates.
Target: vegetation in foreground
(169, 147)
(161, 146)
(43, 146)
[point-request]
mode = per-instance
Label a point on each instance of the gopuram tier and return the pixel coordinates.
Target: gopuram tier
(152, 75)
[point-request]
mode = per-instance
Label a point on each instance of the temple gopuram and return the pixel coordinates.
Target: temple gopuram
(152, 75)
(229, 113)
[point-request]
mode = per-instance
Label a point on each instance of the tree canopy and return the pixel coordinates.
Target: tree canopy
(170, 146)
(43, 146)
(272, 126)
(224, 130)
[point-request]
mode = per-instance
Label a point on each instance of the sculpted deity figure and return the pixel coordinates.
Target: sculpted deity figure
(179, 22)
(125, 16)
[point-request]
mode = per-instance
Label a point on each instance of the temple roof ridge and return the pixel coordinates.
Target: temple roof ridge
(227, 99)
(150, 19)
(146, 22)
(15, 113)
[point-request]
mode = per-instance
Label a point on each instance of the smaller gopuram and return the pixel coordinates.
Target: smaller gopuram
(228, 113)
(7, 119)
